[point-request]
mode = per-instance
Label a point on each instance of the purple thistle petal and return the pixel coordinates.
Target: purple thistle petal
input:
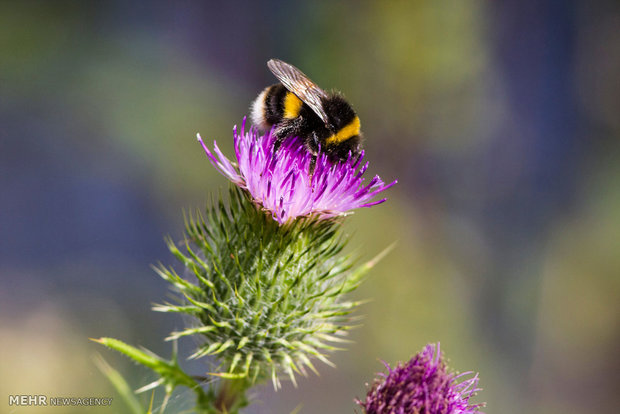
(281, 183)
(220, 162)
(374, 203)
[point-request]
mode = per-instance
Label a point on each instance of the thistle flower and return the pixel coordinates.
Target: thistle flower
(282, 183)
(422, 385)
(267, 298)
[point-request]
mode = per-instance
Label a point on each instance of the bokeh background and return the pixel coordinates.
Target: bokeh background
(499, 119)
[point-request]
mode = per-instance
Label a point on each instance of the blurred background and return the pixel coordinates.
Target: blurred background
(499, 119)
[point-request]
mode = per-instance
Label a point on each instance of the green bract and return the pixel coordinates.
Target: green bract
(265, 298)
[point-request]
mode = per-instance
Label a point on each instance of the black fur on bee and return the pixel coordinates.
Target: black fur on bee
(298, 107)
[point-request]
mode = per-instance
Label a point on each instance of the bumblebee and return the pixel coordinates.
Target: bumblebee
(298, 107)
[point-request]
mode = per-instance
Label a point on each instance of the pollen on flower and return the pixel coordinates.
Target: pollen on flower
(281, 181)
(422, 385)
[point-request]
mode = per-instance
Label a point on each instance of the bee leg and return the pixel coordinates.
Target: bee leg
(276, 144)
(313, 146)
(288, 128)
(312, 167)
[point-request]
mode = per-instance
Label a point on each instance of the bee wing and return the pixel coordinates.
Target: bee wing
(297, 82)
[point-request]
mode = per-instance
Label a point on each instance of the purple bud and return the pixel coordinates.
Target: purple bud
(422, 385)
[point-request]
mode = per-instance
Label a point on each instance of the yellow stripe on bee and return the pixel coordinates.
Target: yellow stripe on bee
(350, 130)
(292, 105)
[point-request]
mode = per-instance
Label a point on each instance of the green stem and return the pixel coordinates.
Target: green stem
(231, 396)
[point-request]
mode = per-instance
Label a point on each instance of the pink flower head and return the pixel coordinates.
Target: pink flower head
(422, 385)
(280, 181)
